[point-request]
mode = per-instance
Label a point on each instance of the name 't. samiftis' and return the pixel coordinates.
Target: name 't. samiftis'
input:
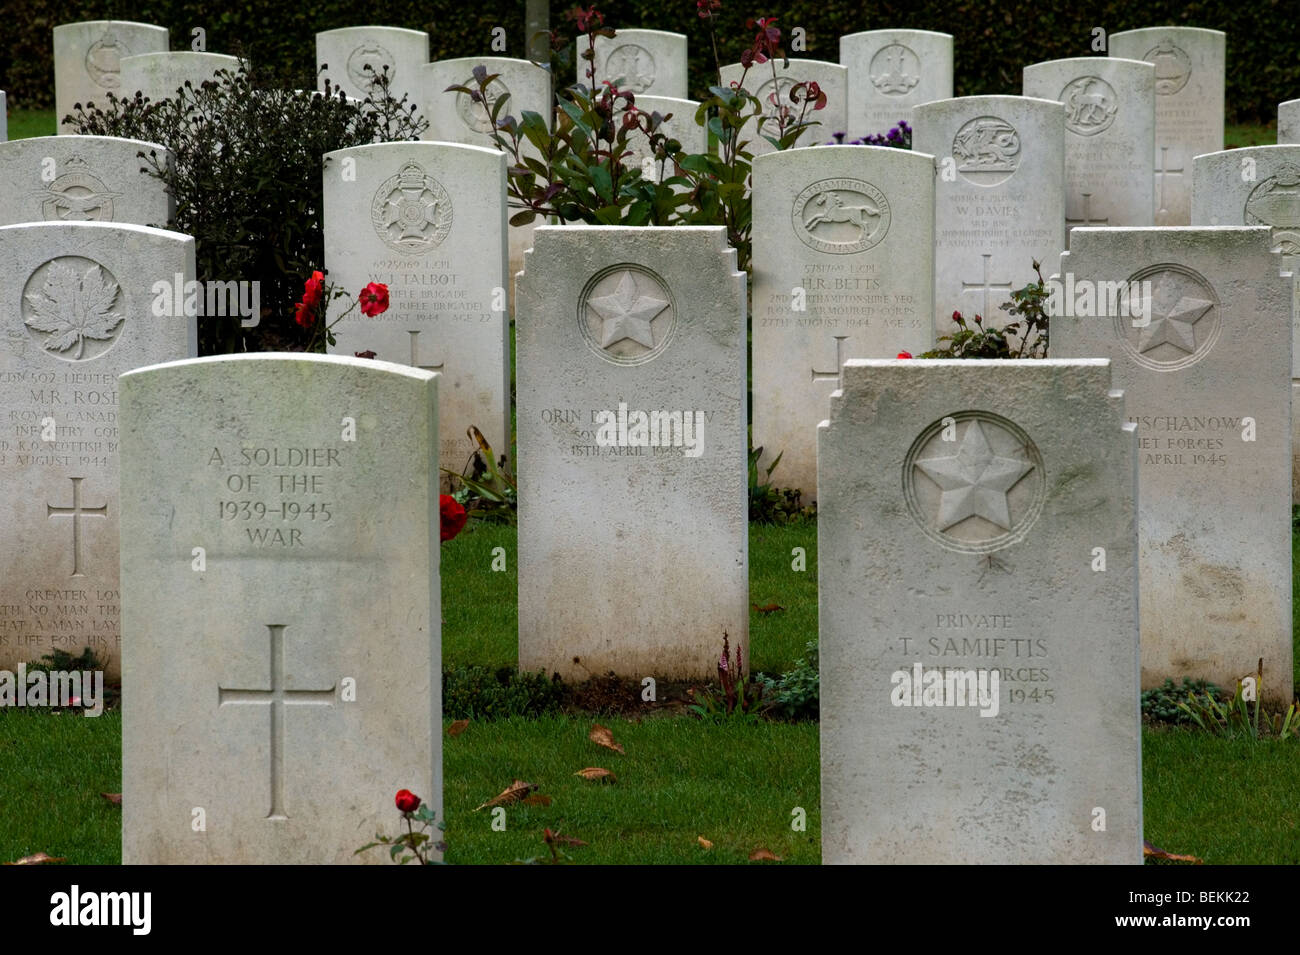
(946, 686)
(651, 429)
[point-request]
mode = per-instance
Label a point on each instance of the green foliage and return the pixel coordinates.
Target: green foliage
(412, 846)
(246, 176)
(58, 659)
(796, 694)
(489, 491)
(1163, 703)
(1236, 718)
(739, 697)
(1029, 308)
(475, 692)
(769, 504)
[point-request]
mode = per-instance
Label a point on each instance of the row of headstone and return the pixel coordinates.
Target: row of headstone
(1288, 122)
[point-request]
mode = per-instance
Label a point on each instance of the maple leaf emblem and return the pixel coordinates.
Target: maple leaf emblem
(74, 309)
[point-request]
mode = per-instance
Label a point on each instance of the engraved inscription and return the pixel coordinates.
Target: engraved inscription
(276, 699)
(894, 70)
(979, 491)
(841, 216)
(1184, 323)
(1090, 105)
(626, 314)
(987, 150)
(277, 496)
(411, 211)
(73, 307)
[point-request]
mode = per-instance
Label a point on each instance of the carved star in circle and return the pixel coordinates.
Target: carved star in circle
(1177, 326)
(627, 313)
(974, 481)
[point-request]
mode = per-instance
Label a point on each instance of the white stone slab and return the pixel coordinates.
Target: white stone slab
(642, 61)
(429, 221)
(851, 228)
(1190, 64)
(632, 558)
(1208, 382)
(80, 310)
(980, 562)
(348, 51)
(290, 685)
(87, 60)
(831, 77)
(82, 178)
(1110, 124)
(159, 75)
(999, 201)
(890, 71)
(1288, 122)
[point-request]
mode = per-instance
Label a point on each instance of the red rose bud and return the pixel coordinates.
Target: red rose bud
(453, 516)
(312, 290)
(373, 299)
(904, 354)
(407, 801)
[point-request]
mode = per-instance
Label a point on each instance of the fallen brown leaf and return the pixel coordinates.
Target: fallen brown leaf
(705, 843)
(513, 793)
(763, 855)
(595, 772)
(550, 837)
(537, 799)
(40, 858)
(603, 736)
(456, 728)
(114, 798)
(1152, 852)
(769, 608)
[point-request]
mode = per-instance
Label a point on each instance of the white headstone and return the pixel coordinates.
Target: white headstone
(1288, 122)
(1259, 185)
(619, 328)
(776, 93)
(81, 178)
(890, 71)
(81, 310)
(347, 52)
(1109, 131)
(843, 268)
(979, 692)
(280, 586)
(87, 60)
(429, 221)
(641, 61)
(1190, 64)
(159, 75)
(999, 202)
(1206, 373)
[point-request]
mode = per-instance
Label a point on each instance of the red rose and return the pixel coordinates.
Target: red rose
(904, 354)
(373, 299)
(453, 516)
(407, 801)
(304, 314)
(313, 289)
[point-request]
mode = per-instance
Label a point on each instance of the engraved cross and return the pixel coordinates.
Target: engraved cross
(839, 364)
(986, 286)
(1162, 171)
(76, 512)
(277, 698)
(1087, 214)
(415, 353)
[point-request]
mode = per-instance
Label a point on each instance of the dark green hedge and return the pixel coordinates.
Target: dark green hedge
(993, 40)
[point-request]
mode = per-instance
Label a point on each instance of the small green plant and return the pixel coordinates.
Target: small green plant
(1234, 718)
(489, 490)
(769, 504)
(739, 697)
(1029, 308)
(411, 846)
(476, 692)
(1163, 704)
(796, 694)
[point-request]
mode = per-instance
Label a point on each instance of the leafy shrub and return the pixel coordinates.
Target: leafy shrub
(1163, 704)
(769, 504)
(796, 694)
(475, 692)
(1028, 305)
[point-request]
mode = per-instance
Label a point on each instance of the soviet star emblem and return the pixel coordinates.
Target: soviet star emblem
(1170, 317)
(974, 480)
(627, 313)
